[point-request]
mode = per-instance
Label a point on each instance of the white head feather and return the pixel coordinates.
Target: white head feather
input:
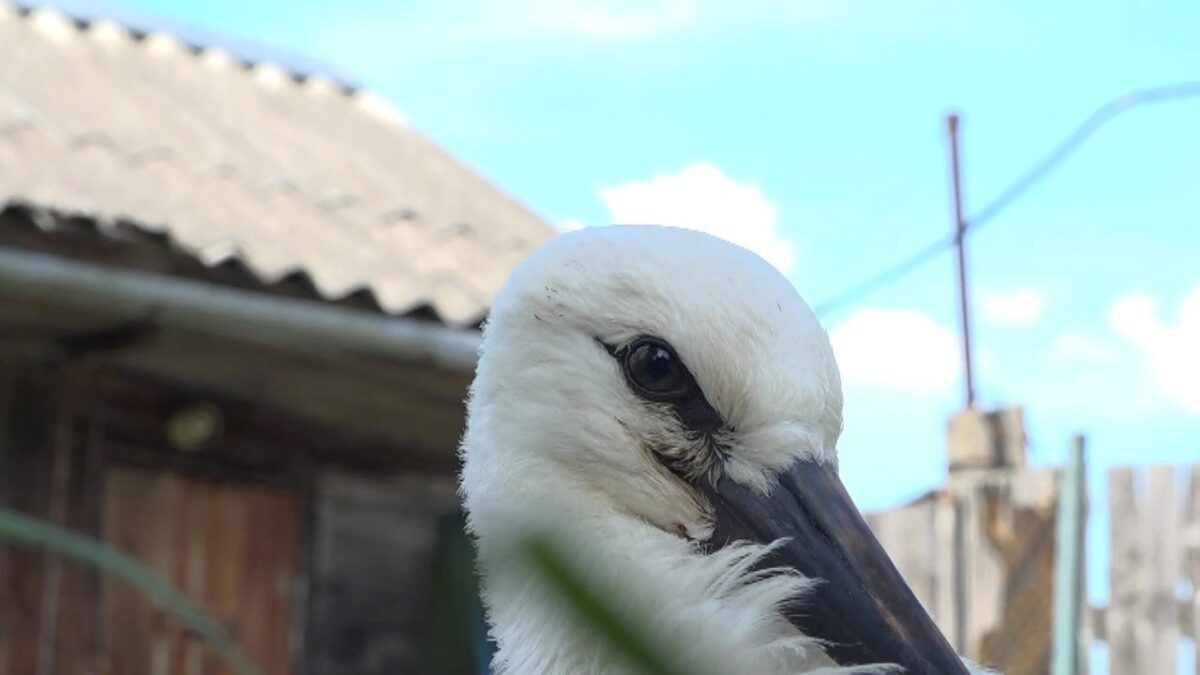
(556, 439)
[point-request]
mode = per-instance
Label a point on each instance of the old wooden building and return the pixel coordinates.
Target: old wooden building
(979, 551)
(239, 308)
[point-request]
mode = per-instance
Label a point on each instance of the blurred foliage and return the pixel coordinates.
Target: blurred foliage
(621, 632)
(26, 531)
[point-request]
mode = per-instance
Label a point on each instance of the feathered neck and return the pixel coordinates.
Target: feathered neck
(713, 612)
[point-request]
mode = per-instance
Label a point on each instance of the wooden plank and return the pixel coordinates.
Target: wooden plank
(982, 567)
(1097, 617)
(1011, 592)
(234, 548)
(981, 585)
(906, 533)
(920, 539)
(373, 552)
(946, 603)
(1192, 565)
(138, 518)
(1122, 622)
(82, 617)
(1159, 520)
(980, 555)
(25, 476)
(271, 540)
(49, 647)
(76, 629)
(8, 393)
(1091, 632)
(55, 438)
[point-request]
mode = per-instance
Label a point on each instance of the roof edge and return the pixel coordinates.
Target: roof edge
(140, 26)
(284, 324)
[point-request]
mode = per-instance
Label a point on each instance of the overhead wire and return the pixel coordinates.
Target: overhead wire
(885, 277)
(1092, 123)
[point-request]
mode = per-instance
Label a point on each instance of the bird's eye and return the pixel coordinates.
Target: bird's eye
(654, 370)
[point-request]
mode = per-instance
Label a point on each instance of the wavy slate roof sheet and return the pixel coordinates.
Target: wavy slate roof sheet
(248, 162)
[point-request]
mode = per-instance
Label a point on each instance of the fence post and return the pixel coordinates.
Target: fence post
(1068, 562)
(1191, 542)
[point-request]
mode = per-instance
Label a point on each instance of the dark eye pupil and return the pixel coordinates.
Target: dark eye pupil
(654, 370)
(659, 365)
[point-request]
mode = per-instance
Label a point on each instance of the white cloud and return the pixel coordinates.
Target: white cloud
(1135, 317)
(701, 197)
(570, 225)
(1016, 308)
(897, 348)
(1171, 351)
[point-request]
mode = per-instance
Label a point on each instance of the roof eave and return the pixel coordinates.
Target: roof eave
(283, 324)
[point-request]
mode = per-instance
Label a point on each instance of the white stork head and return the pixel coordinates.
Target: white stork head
(667, 395)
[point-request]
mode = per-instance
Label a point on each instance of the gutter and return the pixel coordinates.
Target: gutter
(285, 324)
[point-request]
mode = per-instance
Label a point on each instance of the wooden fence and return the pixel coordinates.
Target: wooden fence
(979, 553)
(1154, 570)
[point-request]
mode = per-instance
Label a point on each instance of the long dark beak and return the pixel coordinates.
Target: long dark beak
(862, 609)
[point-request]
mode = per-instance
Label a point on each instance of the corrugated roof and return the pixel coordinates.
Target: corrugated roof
(246, 161)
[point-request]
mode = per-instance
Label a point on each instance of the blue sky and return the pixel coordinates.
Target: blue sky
(813, 132)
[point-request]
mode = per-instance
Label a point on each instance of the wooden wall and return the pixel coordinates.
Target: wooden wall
(373, 570)
(46, 468)
(979, 554)
(317, 568)
(234, 548)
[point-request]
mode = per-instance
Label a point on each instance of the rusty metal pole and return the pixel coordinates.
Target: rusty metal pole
(960, 227)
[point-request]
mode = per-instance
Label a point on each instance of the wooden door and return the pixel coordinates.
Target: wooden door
(232, 547)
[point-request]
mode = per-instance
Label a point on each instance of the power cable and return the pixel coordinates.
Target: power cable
(1028, 179)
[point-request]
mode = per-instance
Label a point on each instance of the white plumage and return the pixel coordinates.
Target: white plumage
(575, 424)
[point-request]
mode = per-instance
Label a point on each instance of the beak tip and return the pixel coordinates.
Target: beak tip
(859, 609)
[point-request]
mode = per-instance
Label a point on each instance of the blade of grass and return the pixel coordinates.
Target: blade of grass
(28, 531)
(590, 606)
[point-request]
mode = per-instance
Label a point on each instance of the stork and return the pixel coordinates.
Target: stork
(671, 400)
